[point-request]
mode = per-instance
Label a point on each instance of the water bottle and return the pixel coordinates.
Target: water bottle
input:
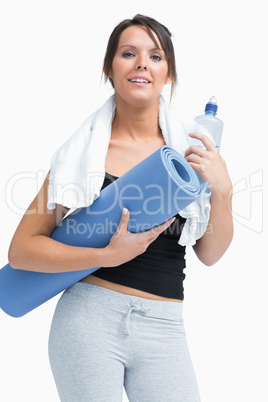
(208, 124)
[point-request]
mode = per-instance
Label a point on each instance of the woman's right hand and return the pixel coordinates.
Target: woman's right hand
(124, 245)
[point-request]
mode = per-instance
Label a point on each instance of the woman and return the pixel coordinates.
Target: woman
(122, 325)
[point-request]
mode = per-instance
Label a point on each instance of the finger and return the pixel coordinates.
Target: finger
(197, 168)
(205, 140)
(198, 159)
(123, 221)
(194, 149)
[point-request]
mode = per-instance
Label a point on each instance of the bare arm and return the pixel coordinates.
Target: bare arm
(32, 249)
(212, 168)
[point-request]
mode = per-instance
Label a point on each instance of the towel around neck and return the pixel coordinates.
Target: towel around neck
(77, 168)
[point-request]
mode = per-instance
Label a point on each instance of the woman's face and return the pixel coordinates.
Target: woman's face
(139, 69)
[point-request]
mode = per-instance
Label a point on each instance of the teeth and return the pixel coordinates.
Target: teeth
(139, 80)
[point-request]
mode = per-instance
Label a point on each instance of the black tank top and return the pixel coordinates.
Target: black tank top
(159, 270)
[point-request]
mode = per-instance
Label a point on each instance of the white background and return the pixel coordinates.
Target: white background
(51, 61)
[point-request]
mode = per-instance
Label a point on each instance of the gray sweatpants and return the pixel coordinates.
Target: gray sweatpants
(101, 340)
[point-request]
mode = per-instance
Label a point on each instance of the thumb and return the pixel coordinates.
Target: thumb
(123, 221)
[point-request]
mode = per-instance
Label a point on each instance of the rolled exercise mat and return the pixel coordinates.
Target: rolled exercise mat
(154, 190)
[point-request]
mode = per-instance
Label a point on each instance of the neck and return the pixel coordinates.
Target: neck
(138, 123)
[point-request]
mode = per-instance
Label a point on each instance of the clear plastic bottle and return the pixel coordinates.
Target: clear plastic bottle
(208, 124)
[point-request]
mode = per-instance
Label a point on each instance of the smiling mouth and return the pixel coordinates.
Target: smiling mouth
(140, 80)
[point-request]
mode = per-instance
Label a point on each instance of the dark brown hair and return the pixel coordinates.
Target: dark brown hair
(150, 24)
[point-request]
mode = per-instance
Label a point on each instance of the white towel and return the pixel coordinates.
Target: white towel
(77, 168)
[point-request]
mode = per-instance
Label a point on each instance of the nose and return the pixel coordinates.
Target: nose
(141, 67)
(141, 63)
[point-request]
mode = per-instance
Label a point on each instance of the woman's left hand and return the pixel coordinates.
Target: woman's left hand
(209, 164)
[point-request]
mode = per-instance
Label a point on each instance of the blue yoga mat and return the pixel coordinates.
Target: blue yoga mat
(154, 190)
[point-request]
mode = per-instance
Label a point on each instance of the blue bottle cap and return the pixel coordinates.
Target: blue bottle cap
(212, 105)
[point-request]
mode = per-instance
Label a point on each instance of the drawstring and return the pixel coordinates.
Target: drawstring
(128, 316)
(128, 319)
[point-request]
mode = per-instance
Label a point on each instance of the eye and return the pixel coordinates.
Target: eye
(128, 54)
(156, 57)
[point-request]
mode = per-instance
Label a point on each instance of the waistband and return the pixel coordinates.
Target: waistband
(110, 298)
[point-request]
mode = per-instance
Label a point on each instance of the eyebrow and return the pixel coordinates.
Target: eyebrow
(134, 47)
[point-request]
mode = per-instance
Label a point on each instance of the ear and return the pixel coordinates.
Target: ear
(110, 73)
(168, 80)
